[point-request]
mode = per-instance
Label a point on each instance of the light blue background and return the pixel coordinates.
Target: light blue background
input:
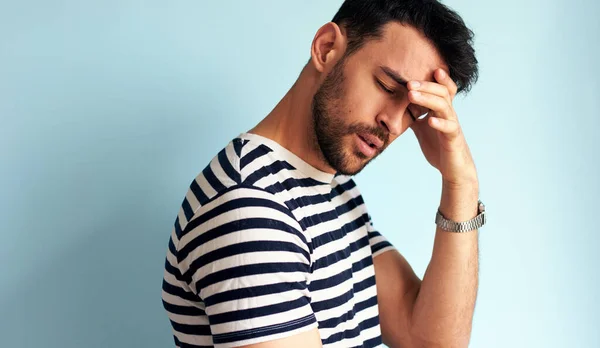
(109, 109)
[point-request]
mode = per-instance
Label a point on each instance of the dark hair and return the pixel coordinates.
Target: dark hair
(364, 19)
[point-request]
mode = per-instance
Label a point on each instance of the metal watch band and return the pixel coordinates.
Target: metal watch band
(460, 227)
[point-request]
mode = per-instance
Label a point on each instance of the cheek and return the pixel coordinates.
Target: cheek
(362, 104)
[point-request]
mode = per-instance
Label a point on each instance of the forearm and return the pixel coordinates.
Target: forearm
(443, 311)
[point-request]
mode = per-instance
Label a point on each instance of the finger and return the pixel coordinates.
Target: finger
(443, 78)
(432, 102)
(430, 87)
(449, 127)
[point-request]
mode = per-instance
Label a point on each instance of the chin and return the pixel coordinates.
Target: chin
(353, 163)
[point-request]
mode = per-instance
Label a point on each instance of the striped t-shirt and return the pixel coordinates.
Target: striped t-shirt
(266, 246)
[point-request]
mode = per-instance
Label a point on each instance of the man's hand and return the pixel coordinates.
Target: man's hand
(439, 133)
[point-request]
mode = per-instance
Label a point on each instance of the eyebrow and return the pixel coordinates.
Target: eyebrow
(394, 75)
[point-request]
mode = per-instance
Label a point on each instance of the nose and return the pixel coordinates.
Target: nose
(392, 118)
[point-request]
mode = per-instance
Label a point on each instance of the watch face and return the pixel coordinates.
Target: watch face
(481, 206)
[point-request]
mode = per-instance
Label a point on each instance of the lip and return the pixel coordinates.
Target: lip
(372, 139)
(364, 147)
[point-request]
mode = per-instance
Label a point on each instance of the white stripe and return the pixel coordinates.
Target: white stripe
(220, 173)
(205, 186)
(192, 200)
(181, 215)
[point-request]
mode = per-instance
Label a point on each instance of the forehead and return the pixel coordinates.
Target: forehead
(405, 50)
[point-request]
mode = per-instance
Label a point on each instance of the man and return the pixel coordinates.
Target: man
(273, 245)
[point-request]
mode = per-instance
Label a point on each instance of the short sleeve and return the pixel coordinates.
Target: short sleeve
(246, 257)
(379, 244)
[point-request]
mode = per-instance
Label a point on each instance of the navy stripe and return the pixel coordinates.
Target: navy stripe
(316, 219)
(339, 233)
(341, 188)
(331, 281)
(305, 201)
(350, 205)
(359, 244)
(273, 168)
(228, 168)
(333, 302)
(254, 154)
(253, 291)
(187, 209)
(256, 312)
(366, 324)
(265, 330)
(334, 322)
(364, 284)
(243, 248)
(179, 292)
(355, 224)
(238, 145)
(197, 191)
(172, 248)
(332, 258)
(366, 304)
(362, 264)
(212, 179)
(376, 247)
(327, 237)
(247, 270)
(373, 342)
(200, 330)
(173, 271)
(291, 183)
(177, 227)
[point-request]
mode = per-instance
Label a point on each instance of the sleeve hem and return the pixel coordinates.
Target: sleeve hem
(383, 250)
(264, 334)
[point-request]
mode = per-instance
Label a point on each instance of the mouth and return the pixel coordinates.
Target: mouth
(371, 140)
(367, 145)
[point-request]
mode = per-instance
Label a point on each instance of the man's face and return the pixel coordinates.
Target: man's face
(361, 107)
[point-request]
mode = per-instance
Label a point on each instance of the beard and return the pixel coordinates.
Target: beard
(331, 129)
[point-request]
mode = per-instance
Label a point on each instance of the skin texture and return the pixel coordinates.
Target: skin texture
(382, 89)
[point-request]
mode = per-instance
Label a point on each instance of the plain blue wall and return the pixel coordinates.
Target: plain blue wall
(109, 109)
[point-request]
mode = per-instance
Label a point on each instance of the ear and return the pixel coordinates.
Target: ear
(328, 47)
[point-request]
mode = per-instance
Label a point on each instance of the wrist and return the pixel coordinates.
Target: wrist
(459, 202)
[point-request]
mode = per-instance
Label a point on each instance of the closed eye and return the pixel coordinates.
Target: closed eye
(391, 92)
(385, 89)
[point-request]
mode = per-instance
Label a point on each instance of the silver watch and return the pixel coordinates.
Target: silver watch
(453, 226)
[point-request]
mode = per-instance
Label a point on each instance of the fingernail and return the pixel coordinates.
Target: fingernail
(416, 93)
(435, 120)
(415, 84)
(442, 73)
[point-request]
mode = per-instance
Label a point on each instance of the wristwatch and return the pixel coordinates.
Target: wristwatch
(453, 226)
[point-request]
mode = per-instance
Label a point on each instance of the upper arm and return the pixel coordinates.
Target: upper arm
(397, 289)
(247, 259)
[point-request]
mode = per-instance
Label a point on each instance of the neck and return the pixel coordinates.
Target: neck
(290, 123)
